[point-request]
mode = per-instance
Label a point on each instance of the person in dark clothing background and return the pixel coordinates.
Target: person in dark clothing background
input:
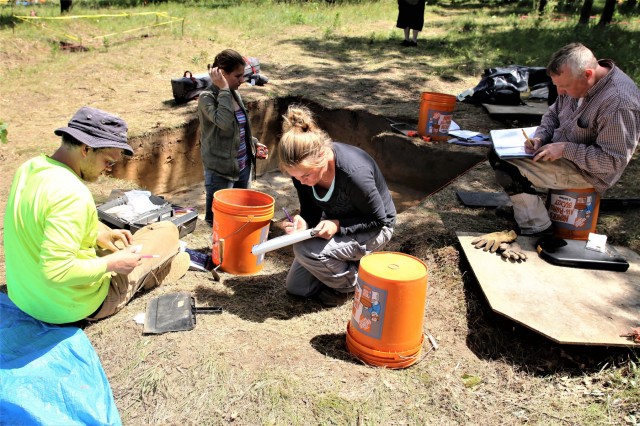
(410, 19)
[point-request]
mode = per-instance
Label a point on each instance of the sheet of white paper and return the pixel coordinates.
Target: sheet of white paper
(463, 134)
(597, 242)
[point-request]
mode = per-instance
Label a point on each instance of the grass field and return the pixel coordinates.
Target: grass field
(269, 359)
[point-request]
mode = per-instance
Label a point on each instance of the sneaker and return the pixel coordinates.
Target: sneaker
(331, 298)
(170, 272)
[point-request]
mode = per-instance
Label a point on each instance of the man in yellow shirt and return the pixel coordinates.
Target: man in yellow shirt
(52, 231)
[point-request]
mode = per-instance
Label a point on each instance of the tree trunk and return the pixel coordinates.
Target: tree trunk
(585, 12)
(607, 13)
(629, 5)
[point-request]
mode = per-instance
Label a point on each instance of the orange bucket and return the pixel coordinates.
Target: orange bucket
(386, 322)
(241, 219)
(573, 212)
(436, 113)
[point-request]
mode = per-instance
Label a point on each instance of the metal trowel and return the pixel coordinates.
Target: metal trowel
(173, 312)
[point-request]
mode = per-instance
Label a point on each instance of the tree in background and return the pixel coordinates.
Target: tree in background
(585, 12)
(628, 6)
(607, 13)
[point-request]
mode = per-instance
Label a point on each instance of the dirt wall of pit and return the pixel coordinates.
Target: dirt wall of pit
(170, 159)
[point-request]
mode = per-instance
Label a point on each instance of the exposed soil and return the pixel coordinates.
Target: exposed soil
(271, 358)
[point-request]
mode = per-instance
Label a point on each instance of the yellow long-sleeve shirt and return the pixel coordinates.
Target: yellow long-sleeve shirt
(51, 226)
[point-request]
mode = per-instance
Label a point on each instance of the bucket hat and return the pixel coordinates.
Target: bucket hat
(97, 129)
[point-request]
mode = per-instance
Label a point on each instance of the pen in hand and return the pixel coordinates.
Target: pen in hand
(288, 215)
(528, 142)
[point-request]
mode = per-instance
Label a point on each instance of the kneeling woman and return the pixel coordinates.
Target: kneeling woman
(343, 197)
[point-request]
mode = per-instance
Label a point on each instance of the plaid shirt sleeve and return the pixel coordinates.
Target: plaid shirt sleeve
(603, 131)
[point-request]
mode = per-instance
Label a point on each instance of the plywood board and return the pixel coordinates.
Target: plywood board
(568, 305)
(532, 108)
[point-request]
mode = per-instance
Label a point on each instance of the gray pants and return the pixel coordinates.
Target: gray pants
(529, 211)
(333, 262)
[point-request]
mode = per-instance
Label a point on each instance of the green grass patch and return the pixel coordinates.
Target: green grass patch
(471, 35)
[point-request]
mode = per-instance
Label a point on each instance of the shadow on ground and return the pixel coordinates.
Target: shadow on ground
(257, 298)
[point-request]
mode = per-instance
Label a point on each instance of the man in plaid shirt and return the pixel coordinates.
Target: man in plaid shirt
(585, 140)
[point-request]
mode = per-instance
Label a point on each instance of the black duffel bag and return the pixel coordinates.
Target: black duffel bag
(189, 86)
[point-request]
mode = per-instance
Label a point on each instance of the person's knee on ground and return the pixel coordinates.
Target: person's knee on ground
(301, 282)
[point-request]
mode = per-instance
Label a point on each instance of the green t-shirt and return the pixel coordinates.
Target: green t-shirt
(50, 231)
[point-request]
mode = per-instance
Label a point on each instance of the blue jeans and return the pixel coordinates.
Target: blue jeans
(214, 182)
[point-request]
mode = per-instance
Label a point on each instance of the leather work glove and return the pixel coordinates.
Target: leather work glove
(491, 242)
(512, 251)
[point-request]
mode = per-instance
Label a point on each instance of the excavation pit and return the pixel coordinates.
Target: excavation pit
(169, 163)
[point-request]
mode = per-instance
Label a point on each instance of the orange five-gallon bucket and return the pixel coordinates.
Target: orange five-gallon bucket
(241, 219)
(436, 113)
(573, 212)
(388, 310)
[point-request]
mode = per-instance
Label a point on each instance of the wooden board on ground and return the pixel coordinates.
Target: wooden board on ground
(567, 305)
(532, 108)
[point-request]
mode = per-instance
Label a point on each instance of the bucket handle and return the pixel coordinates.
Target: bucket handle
(220, 241)
(421, 357)
(251, 217)
(214, 271)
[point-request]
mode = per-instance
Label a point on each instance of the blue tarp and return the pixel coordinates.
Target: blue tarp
(50, 375)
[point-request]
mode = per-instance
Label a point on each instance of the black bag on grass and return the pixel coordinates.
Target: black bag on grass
(252, 72)
(501, 86)
(189, 86)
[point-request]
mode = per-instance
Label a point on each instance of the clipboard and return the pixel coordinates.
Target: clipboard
(509, 143)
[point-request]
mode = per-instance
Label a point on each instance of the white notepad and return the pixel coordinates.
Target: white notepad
(509, 143)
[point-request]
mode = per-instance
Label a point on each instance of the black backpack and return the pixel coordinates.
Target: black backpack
(189, 87)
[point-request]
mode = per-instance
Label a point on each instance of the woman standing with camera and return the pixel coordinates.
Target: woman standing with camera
(227, 146)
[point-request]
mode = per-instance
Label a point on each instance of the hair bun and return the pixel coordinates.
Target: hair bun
(300, 118)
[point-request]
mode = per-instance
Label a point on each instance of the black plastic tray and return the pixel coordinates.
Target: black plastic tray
(573, 253)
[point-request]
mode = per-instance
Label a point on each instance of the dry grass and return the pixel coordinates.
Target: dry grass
(274, 360)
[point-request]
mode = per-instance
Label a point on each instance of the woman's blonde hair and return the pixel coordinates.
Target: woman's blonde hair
(302, 143)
